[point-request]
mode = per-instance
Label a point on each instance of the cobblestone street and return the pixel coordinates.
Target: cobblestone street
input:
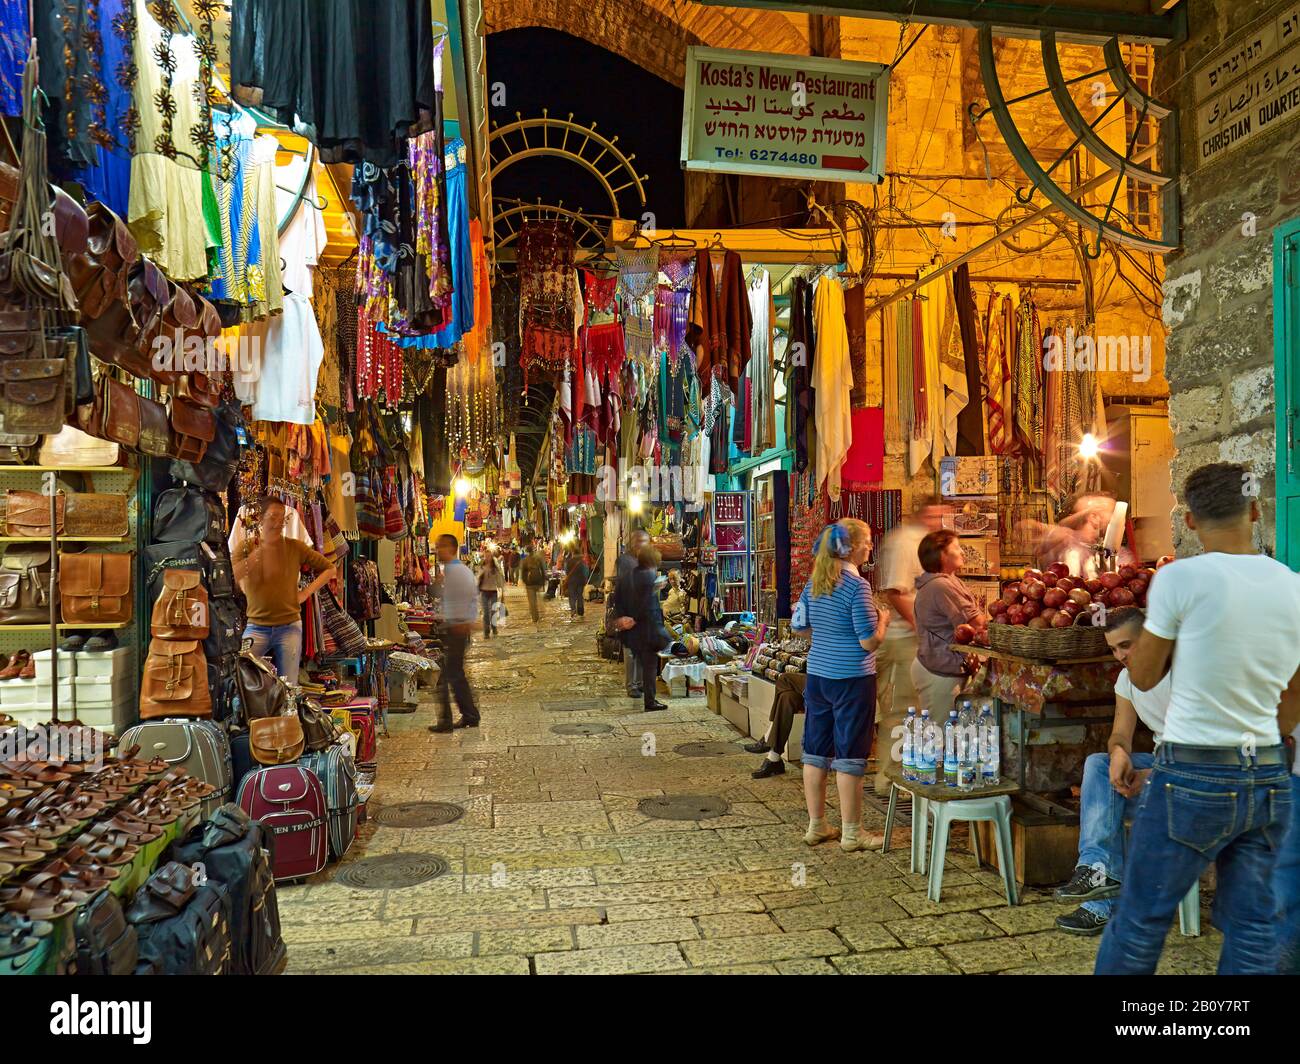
(554, 870)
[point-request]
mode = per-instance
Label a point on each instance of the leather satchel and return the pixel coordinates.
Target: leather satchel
(100, 275)
(74, 448)
(116, 415)
(27, 513)
(33, 394)
(195, 427)
(25, 585)
(175, 680)
(95, 587)
(155, 431)
(96, 514)
(181, 611)
(670, 547)
(261, 692)
(18, 448)
(275, 740)
(318, 727)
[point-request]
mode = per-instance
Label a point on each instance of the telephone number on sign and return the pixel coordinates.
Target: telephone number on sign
(766, 155)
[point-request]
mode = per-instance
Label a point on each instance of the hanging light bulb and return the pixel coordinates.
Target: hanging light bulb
(635, 504)
(1088, 446)
(462, 487)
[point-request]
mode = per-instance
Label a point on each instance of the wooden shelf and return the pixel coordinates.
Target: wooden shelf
(65, 539)
(45, 627)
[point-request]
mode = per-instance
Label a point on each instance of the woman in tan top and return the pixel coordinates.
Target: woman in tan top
(267, 567)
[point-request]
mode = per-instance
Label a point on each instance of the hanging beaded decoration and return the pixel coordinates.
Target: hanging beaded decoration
(92, 42)
(638, 274)
(168, 21)
(124, 26)
(205, 95)
(66, 17)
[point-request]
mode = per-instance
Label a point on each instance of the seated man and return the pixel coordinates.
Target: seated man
(1112, 784)
(787, 702)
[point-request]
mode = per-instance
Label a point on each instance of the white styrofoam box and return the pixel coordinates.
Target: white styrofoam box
(29, 716)
(761, 694)
(677, 686)
(115, 718)
(106, 663)
(17, 692)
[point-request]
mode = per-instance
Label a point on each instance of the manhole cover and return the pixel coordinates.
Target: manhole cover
(684, 806)
(709, 749)
(581, 729)
(419, 814)
(575, 705)
(392, 871)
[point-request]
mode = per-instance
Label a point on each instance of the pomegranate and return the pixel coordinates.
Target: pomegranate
(1071, 609)
(1050, 579)
(1127, 573)
(1110, 581)
(1011, 596)
(1120, 596)
(1138, 586)
(1062, 620)
(1015, 615)
(1038, 622)
(1049, 614)
(1059, 569)
(1067, 584)
(1033, 589)
(1094, 585)
(1053, 597)
(964, 633)
(1080, 597)
(1032, 574)
(1031, 608)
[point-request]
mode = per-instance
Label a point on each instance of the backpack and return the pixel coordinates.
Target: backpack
(231, 849)
(106, 943)
(189, 515)
(534, 571)
(183, 924)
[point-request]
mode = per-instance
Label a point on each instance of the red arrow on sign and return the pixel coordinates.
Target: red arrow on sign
(844, 162)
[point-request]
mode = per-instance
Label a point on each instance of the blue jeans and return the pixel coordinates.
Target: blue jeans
(1102, 812)
(1286, 885)
(1232, 815)
(837, 723)
(282, 643)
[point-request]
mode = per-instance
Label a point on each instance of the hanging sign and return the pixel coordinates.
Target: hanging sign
(784, 115)
(1249, 88)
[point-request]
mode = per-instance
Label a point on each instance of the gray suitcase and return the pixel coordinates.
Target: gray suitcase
(337, 773)
(200, 747)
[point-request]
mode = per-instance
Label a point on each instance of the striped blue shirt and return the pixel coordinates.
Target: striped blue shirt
(838, 622)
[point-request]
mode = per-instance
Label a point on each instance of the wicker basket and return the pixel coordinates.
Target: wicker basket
(1048, 644)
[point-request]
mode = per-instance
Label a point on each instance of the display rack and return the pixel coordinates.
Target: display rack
(765, 548)
(733, 532)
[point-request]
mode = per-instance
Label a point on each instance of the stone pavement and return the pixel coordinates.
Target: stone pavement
(553, 870)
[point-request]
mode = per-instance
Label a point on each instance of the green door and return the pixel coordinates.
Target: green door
(1286, 333)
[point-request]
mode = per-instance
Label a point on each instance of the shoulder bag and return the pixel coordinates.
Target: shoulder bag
(96, 514)
(318, 727)
(27, 513)
(275, 740)
(261, 691)
(25, 585)
(116, 414)
(95, 587)
(156, 437)
(195, 427)
(181, 611)
(33, 394)
(175, 680)
(72, 447)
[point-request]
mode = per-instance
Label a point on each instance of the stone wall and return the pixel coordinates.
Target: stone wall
(1218, 293)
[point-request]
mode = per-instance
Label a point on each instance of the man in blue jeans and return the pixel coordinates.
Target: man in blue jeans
(1112, 787)
(1225, 623)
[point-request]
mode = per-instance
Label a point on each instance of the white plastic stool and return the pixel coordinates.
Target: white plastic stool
(996, 809)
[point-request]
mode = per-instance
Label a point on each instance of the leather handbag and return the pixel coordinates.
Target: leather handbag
(96, 514)
(194, 426)
(33, 394)
(261, 692)
(18, 448)
(275, 740)
(318, 727)
(100, 275)
(116, 414)
(25, 585)
(156, 436)
(106, 943)
(221, 460)
(95, 587)
(175, 680)
(181, 611)
(71, 447)
(27, 513)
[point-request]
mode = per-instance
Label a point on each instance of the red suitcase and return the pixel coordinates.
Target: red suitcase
(290, 801)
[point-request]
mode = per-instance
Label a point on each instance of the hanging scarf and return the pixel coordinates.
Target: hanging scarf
(1029, 378)
(546, 296)
(996, 372)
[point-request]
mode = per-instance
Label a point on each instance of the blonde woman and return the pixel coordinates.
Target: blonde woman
(838, 610)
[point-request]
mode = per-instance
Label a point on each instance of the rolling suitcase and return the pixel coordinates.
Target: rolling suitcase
(200, 747)
(337, 773)
(290, 802)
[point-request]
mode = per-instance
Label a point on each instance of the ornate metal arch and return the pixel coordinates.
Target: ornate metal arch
(511, 214)
(1125, 165)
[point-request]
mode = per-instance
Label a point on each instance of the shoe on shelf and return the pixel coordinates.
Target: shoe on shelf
(1081, 922)
(654, 706)
(759, 747)
(1088, 884)
(15, 664)
(101, 641)
(462, 722)
(768, 768)
(29, 670)
(439, 729)
(74, 642)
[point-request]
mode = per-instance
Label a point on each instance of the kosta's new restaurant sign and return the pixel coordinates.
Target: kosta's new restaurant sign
(784, 115)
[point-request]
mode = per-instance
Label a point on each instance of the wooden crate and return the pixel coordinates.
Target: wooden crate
(736, 712)
(1045, 837)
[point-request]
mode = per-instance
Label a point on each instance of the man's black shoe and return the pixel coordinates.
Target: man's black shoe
(461, 722)
(656, 705)
(769, 768)
(1088, 884)
(636, 694)
(1081, 922)
(440, 728)
(759, 747)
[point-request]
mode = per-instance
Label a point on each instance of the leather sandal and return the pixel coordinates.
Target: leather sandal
(33, 772)
(137, 830)
(80, 809)
(11, 792)
(107, 845)
(79, 857)
(44, 823)
(81, 877)
(154, 811)
(43, 897)
(19, 936)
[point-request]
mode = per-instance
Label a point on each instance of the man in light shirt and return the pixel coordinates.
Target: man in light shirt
(459, 611)
(1112, 785)
(899, 566)
(1227, 622)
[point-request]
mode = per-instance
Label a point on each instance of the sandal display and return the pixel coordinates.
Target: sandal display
(44, 897)
(19, 938)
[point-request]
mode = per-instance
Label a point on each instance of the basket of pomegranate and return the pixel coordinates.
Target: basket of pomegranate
(1052, 615)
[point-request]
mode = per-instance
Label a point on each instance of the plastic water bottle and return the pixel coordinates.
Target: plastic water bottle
(990, 748)
(927, 749)
(968, 771)
(909, 744)
(950, 749)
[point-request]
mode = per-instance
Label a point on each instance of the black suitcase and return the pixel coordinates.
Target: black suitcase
(182, 917)
(242, 758)
(231, 849)
(106, 943)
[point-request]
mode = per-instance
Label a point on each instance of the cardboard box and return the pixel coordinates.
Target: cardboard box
(762, 694)
(736, 712)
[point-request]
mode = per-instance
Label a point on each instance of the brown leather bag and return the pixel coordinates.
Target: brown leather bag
(155, 431)
(95, 588)
(100, 275)
(33, 394)
(72, 448)
(27, 513)
(195, 427)
(181, 611)
(318, 727)
(275, 740)
(18, 448)
(116, 415)
(25, 585)
(175, 680)
(261, 692)
(96, 514)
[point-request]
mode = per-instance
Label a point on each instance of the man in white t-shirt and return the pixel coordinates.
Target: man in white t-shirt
(899, 566)
(1112, 785)
(1226, 624)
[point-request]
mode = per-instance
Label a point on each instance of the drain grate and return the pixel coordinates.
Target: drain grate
(575, 705)
(684, 807)
(715, 748)
(419, 814)
(581, 729)
(392, 871)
